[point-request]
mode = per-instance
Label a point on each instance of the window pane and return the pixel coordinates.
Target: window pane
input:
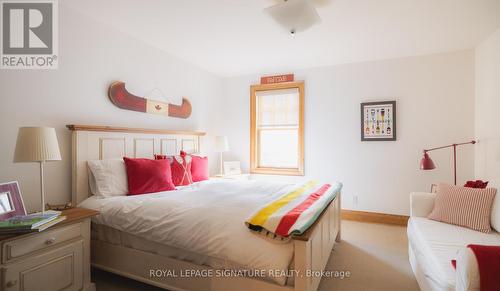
(278, 107)
(279, 148)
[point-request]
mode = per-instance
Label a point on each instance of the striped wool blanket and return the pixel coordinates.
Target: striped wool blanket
(293, 212)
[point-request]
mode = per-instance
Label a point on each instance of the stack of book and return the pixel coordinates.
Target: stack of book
(30, 223)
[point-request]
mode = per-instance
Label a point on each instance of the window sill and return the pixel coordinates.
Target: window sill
(278, 171)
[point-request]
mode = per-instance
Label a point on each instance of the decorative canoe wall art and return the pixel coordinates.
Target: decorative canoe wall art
(125, 100)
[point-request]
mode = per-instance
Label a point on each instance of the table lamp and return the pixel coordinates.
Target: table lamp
(221, 145)
(37, 144)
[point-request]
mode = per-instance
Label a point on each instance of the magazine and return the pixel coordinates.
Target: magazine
(28, 222)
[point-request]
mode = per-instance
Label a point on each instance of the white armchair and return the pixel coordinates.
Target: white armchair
(467, 272)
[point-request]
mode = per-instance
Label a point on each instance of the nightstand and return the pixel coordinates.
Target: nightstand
(57, 258)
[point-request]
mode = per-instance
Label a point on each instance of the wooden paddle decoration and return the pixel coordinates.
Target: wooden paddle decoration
(125, 100)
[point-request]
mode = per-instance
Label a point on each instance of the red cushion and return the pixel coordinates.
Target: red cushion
(199, 168)
(181, 168)
(148, 176)
(476, 184)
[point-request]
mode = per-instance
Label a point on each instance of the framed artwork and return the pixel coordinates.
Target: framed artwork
(232, 168)
(11, 201)
(378, 121)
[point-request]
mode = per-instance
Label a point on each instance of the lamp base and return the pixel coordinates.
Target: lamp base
(221, 173)
(42, 187)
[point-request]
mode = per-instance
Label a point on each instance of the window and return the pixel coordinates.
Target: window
(277, 128)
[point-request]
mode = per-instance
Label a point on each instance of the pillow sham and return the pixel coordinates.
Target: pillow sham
(181, 168)
(463, 206)
(107, 178)
(199, 168)
(148, 176)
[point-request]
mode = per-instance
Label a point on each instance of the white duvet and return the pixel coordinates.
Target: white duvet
(205, 218)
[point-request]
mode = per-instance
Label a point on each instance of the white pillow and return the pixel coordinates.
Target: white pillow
(108, 178)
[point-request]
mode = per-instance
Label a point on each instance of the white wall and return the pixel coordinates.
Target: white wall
(92, 55)
(434, 94)
(435, 106)
(488, 110)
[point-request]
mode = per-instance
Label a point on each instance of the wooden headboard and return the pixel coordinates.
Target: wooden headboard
(91, 142)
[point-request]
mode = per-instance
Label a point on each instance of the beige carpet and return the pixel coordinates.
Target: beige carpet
(376, 255)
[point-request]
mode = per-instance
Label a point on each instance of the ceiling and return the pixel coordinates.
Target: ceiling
(234, 37)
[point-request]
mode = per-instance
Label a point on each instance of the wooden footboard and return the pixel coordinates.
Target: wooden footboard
(313, 248)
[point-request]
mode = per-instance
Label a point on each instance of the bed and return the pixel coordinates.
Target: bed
(132, 237)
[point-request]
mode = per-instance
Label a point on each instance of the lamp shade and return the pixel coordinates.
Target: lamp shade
(37, 144)
(294, 15)
(221, 144)
(426, 163)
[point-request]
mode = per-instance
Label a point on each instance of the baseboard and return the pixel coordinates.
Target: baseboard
(375, 217)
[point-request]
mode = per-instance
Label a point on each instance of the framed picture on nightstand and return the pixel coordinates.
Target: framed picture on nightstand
(232, 168)
(11, 201)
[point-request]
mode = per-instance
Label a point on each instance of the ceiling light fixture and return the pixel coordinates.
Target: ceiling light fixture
(294, 15)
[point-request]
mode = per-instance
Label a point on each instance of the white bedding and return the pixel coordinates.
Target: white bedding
(205, 218)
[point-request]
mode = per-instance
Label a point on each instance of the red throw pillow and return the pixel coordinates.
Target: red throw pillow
(199, 168)
(476, 184)
(148, 176)
(181, 168)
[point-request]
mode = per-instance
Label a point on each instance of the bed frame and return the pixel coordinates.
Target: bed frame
(312, 249)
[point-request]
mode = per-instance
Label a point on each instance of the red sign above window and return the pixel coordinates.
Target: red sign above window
(276, 79)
